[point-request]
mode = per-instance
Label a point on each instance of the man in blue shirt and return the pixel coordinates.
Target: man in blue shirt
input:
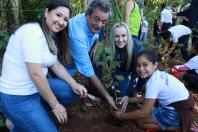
(83, 32)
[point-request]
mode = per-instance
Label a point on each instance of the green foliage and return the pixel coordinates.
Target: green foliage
(32, 10)
(119, 77)
(2, 122)
(3, 43)
(3, 40)
(103, 57)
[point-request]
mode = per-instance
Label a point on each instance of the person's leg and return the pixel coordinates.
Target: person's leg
(191, 80)
(62, 91)
(148, 122)
(142, 36)
(27, 113)
(165, 117)
(194, 36)
(145, 37)
(184, 40)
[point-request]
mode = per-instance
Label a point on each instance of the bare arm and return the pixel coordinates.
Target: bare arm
(41, 83)
(98, 85)
(137, 114)
(39, 79)
(136, 99)
(128, 9)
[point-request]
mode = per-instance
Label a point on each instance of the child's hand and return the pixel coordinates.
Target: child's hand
(174, 69)
(118, 114)
(124, 101)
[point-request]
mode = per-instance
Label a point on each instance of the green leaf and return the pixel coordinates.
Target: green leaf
(107, 51)
(119, 77)
(108, 58)
(117, 91)
(99, 63)
(99, 51)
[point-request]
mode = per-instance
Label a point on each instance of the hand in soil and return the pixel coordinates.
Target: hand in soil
(118, 114)
(124, 101)
(60, 113)
(112, 103)
(79, 90)
(118, 104)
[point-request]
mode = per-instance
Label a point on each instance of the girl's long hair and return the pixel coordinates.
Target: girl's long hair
(129, 45)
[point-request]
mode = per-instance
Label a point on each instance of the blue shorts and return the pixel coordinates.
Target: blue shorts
(165, 117)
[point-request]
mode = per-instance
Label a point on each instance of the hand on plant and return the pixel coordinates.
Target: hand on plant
(124, 102)
(60, 113)
(80, 90)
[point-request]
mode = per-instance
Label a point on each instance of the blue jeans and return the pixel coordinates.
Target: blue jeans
(137, 45)
(143, 37)
(28, 113)
(157, 41)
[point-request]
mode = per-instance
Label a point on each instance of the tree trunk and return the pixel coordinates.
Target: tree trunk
(12, 15)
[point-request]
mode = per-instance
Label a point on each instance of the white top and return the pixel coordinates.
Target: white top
(27, 44)
(165, 88)
(166, 16)
(144, 26)
(193, 63)
(178, 31)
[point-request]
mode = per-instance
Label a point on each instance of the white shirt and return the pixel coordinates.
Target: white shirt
(178, 31)
(165, 88)
(166, 16)
(27, 44)
(193, 63)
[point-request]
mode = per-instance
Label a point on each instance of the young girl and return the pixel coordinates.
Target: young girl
(164, 89)
(191, 77)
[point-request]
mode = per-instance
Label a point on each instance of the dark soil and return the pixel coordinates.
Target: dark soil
(95, 119)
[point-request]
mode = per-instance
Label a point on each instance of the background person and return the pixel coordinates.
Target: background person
(25, 65)
(156, 31)
(178, 34)
(165, 17)
(130, 14)
(191, 68)
(144, 30)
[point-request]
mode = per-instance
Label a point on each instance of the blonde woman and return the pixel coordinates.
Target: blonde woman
(121, 45)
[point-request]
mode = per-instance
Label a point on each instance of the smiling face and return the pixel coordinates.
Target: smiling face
(120, 37)
(97, 20)
(57, 18)
(145, 68)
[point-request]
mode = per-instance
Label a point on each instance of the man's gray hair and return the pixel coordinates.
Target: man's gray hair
(103, 5)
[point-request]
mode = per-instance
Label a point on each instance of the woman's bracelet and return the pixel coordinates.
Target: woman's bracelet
(55, 106)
